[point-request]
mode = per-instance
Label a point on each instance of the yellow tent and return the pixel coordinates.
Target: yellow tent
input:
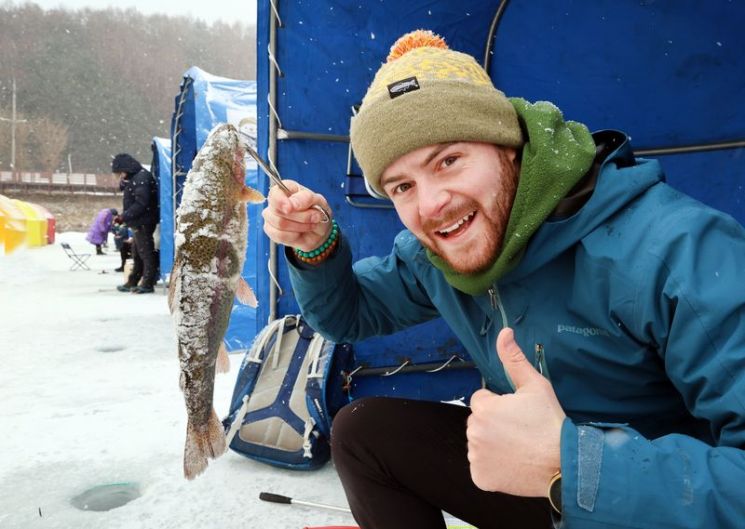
(12, 225)
(51, 221)
(36, 225)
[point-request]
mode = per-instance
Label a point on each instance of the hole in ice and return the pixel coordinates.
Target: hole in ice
(106, 497)
(110, 348)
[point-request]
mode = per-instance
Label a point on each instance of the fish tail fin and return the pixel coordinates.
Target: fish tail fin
(249, 194)
(202, 442)
(222, 364)
(245, 294)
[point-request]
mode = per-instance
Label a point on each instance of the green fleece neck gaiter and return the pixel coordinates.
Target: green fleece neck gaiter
(555, 157)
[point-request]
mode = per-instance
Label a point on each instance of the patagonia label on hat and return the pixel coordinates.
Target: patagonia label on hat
(399, 88)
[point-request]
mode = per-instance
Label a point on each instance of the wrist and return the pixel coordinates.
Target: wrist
(324, 250)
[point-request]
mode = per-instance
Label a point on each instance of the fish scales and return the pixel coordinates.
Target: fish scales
(210, 247)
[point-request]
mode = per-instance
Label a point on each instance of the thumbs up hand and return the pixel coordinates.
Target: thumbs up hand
(514, 439)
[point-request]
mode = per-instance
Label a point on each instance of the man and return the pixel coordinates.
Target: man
(141, 214)
(525, 232)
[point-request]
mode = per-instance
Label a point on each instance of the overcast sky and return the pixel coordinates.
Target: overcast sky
(207, 10)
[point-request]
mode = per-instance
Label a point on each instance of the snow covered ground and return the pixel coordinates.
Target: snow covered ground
(89, 396)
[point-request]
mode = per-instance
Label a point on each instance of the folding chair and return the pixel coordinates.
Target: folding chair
(78, 259)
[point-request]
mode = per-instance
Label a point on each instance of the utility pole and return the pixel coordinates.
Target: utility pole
(13, 131)
(13, 122)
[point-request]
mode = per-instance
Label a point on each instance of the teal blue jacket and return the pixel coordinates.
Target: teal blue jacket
(638, 299)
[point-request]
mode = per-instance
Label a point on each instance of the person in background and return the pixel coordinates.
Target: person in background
(141, 213)
(122, 242)
(98, 233)
(156, 239)
(604, 309)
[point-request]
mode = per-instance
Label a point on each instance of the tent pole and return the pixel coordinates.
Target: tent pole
(273, 297)
(176, 148)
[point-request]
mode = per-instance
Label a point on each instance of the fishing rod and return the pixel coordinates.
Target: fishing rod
(279, 498)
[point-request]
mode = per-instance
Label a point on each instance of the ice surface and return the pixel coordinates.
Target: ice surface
(89, 393)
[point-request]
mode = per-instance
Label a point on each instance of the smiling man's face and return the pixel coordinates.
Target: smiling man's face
(456, 199)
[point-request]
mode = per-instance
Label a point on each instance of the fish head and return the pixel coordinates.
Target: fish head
(229, 155)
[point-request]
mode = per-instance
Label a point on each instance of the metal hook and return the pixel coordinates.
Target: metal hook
(354, 371)
(399, 368)
(348, 377)
(274, 175)
(443, 366)
(274, 279)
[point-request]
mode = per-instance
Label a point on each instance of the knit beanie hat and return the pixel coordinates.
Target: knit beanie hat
(427, 94)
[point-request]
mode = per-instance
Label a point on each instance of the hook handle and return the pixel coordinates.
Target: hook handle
(275, 178)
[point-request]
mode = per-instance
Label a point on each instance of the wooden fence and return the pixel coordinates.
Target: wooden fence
(76, 182)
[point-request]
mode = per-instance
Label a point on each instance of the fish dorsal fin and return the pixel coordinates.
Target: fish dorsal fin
(245, 294)
(249, 194)
(172, 285)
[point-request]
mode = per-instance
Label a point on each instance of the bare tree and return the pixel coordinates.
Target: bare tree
(109, 75)
(50, 139)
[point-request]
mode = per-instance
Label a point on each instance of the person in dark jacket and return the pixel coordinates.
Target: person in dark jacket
(141, 214)
(603, 308)
(123, 243)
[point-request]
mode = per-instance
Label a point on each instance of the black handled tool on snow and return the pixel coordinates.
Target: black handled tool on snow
(278, 498)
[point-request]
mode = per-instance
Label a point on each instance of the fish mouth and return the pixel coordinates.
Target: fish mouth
(239, 167)
(457, 227)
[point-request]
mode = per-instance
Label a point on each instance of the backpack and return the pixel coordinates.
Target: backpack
(289, 387)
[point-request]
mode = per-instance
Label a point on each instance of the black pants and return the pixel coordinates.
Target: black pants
(402, 462)
(125, 250)
(143, 256)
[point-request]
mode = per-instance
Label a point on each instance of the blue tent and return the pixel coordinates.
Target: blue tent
(205, 100)
(161, 169)
(671, 74)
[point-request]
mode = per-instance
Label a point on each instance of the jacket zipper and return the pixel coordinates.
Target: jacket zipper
(496, 303)
(540, 356)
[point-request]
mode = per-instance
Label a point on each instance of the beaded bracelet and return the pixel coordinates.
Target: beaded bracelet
(320, 257)
(323, 251)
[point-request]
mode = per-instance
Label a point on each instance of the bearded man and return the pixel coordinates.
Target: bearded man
(528, 233)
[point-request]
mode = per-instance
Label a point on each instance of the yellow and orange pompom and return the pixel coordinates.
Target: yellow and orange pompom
(420, 38)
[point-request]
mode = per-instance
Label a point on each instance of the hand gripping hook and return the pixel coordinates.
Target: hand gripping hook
(274, 176)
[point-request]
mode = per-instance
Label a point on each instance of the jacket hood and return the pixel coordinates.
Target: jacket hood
(621, 179)
(125, 163)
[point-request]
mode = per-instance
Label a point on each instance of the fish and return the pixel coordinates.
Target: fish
(210, 240)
